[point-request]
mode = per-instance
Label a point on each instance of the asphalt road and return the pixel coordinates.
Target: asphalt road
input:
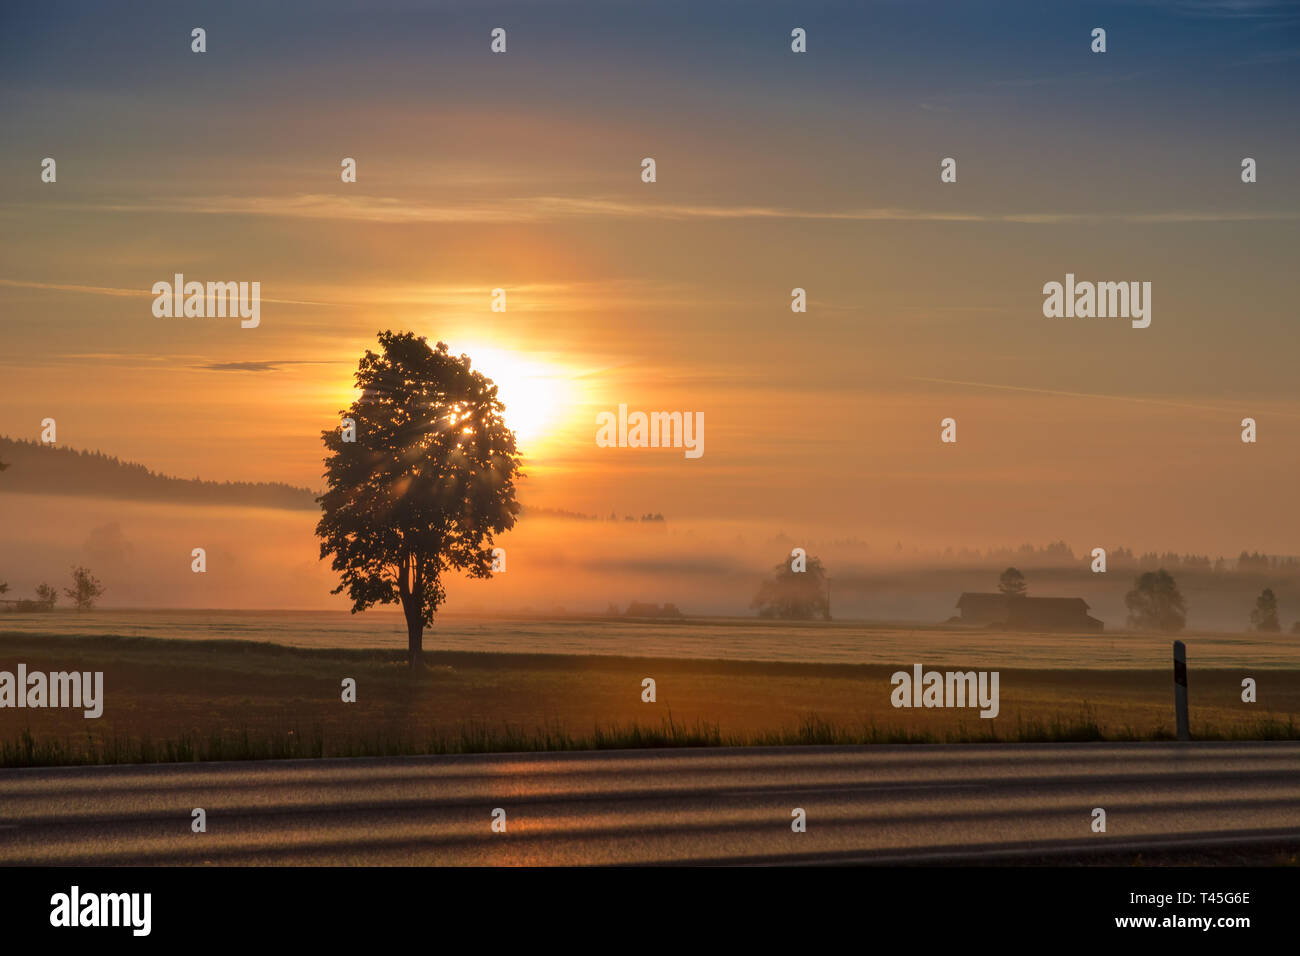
(965, 803)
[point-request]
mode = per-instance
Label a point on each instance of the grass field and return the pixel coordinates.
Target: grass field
(169, 700)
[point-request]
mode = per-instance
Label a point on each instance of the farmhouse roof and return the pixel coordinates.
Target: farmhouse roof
(971, 598)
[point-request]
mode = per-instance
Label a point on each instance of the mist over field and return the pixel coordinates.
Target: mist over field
(266, 558)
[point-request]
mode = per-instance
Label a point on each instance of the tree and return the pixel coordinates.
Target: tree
(1155, 603)
(85, 588)
(424, 487)
(1012, 583)
(1264, 617)
(794, 595)
(46, 594)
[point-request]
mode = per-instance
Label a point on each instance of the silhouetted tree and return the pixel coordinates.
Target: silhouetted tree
(424, 487)
(1264, 617)
(794, 595)
(1012, 583)
(85, 589)
(1155, 603)
(46, 594)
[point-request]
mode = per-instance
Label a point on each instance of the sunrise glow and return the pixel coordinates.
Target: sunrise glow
(537, 393)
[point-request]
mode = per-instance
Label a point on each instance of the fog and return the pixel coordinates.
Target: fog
(263, 558)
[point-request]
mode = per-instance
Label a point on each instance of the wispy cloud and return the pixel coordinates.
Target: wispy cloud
(1115, 398)
(113, 291)
(387, 209)
(271, 366)
(71, 287)
(525, 297)
(162, 360)
(1280, 10)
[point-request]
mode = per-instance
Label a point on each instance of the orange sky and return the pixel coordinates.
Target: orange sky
(924, 298)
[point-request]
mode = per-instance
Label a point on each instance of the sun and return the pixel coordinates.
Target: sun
(535, 392)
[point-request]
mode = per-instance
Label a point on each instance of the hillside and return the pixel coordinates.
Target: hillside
(35, 468)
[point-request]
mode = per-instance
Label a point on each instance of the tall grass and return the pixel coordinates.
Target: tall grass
(28, 751)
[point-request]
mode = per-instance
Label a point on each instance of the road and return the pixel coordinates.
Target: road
(965, 803)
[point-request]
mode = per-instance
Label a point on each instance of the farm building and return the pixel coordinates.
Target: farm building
(1026, 613)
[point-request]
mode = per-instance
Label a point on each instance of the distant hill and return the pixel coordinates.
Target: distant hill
(35, 468)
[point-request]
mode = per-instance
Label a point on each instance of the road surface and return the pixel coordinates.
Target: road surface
(964, 803)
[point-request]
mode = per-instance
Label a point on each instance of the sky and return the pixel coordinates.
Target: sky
(775, 170)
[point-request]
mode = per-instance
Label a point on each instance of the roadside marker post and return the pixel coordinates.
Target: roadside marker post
(1180, 690)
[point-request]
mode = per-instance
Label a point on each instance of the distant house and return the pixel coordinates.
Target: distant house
(982, 609)
(1026, 613)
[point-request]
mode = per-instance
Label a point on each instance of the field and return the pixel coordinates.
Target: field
(169, 699)
(693, 638)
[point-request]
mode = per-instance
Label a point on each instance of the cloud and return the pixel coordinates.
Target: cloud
(567, 297)
(271, 366)
(1281, 10)
(110, 290)
(67, 287)
(1116, 398)
(387, 209)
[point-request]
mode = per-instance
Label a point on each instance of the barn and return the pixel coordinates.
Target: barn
(1026, 613)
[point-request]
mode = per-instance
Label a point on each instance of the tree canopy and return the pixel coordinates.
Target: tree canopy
(1012, 583)
(85, 589)
(792, 594)
(1264, 616)
(419, 479)
(1155, 603)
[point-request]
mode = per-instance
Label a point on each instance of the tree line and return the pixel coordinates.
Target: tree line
(1154, 603)
(85, 590)
(46, 469)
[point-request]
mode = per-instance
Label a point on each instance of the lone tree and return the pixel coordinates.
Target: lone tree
(1012, 583)
(1155, 603)
(85, 588)
(795, 595)
(46, 594)
(1264, 617)
(422, 484)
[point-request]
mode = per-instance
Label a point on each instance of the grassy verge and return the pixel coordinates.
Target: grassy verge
(180, 701)
(29, 751)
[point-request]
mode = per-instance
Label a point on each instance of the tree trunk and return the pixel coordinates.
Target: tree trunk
(407, 591)
(414, 639)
